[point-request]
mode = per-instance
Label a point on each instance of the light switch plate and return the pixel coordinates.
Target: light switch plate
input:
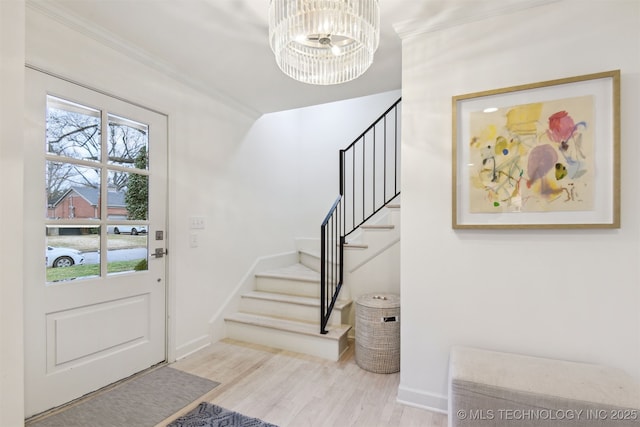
(196, 222)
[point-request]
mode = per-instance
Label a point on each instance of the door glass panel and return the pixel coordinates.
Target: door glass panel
(73, 191)
(128, 142)
(73, 130)
(127, 249)
(127, 240)
(72, 252)
(133, 193)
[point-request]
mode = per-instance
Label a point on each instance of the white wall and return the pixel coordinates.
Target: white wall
(11, 164)
(587, 308)
(289, 160)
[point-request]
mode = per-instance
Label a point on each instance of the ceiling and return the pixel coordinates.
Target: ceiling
(221, 47)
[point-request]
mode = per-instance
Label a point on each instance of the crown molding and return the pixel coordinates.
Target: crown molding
(111, 40)
(464, 15)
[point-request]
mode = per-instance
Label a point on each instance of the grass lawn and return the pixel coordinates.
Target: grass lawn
(79, 271)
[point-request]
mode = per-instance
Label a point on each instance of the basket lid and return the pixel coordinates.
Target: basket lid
(379, 300)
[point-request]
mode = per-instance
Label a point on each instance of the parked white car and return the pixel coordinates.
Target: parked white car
(129, 229)
(63, 257)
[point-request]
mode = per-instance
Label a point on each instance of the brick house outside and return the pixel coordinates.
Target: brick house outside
(84, 202)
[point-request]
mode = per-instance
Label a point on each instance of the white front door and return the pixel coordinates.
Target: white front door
(95, 202)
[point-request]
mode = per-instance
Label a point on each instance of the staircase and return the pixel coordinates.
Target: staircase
(283, 312)
(303, 307)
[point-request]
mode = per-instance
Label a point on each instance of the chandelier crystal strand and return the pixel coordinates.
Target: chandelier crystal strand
(324, 42)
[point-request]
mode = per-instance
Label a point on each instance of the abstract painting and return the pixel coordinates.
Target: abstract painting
(532, 157)
(543, 155)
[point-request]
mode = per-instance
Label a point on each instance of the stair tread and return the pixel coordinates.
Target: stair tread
(354, 245)
(293, 272)
(334, 332)
(378, 226)
(293, 299)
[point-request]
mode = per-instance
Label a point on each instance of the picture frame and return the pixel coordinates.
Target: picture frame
(541, 155)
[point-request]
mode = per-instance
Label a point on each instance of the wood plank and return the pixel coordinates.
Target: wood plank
(291, 389)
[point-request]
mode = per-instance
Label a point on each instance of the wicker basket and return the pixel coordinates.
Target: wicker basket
(378, 333)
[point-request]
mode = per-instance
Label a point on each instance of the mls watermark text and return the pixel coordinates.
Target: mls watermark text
(548, 414)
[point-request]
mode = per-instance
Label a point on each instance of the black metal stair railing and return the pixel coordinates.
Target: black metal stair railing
(369, 180)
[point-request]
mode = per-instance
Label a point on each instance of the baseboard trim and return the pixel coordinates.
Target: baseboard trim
(422, 399)
(192, 346)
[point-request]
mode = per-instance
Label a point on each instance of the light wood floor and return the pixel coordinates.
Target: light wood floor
(290, 389)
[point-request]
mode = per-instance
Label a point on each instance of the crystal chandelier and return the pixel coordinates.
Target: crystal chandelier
(324, 42)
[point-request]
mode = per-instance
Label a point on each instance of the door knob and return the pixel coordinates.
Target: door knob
(159, 252)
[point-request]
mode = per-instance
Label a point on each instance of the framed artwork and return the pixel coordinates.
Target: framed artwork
(542, 155)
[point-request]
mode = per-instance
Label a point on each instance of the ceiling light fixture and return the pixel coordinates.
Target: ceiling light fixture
(324, 42)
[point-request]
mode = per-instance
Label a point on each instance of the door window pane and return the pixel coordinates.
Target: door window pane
(127, 240)
(128, 142)
(127, 249)
(72, 252)
(73, 191)
(133, 191)
(73, 130)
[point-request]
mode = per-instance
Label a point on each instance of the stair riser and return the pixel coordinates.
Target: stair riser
(303, 313)
(377, 236)
(311, 261)
(394, 216)
(307, 344)
(285, 286)
(357, 261)
(385, 217)
(388, 217)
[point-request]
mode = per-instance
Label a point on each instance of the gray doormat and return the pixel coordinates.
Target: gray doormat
(143, 401)
(209, 415)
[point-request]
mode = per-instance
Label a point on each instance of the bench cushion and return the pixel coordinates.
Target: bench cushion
(488, 388)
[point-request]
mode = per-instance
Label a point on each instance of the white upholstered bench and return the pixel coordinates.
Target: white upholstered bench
(488, 388)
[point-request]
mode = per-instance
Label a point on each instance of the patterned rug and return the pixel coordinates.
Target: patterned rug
(209, 415)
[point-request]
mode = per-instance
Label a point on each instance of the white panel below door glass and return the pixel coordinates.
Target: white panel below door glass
(79, 335)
